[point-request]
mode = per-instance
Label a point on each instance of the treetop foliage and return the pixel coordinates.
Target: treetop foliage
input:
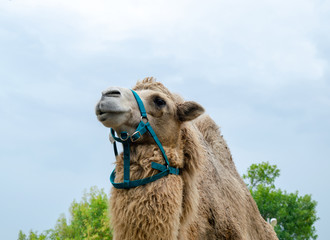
(262, 173)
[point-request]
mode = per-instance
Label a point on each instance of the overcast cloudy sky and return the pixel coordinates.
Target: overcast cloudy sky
(260, 69)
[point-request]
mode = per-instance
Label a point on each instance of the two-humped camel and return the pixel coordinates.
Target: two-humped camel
(207, 200)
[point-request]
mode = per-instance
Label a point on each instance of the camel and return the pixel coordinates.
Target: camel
(205, 200)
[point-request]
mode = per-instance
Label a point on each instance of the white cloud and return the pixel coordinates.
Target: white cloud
(224, 40)
(262, 45)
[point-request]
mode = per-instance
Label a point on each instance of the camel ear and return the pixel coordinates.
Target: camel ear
(189, 110)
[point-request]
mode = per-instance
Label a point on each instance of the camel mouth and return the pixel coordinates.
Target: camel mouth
(103, 116)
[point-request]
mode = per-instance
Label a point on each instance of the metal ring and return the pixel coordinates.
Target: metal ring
(147, 120)
(124, 139)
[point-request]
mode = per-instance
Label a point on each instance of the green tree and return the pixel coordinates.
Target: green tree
(295, 214)
(89, 219)
(32, 236)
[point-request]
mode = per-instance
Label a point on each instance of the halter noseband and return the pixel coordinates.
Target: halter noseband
(126, 139)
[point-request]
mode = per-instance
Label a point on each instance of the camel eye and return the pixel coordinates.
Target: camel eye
(159, 102)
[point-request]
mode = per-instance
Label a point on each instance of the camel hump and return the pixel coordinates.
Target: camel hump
(214, 140)
(208, 128)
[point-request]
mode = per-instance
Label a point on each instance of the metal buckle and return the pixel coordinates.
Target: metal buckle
(132, 139)
(112, 140)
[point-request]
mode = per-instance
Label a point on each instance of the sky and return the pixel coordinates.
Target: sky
(259, 68)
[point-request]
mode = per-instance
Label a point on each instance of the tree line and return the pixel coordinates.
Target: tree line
(296, 215)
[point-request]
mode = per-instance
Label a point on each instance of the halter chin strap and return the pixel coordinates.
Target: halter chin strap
(126, 139)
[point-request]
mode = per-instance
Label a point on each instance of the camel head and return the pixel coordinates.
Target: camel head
(166, 112)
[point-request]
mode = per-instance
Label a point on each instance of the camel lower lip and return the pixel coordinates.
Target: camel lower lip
(102, 116)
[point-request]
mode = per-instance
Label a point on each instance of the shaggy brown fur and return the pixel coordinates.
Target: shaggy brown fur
(208, 200)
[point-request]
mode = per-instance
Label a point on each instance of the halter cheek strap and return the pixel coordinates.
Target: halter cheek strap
(126, 139)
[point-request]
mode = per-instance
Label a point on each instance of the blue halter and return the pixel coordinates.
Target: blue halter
(126, 139)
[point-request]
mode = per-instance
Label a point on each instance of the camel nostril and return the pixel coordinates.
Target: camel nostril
(112, 93)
